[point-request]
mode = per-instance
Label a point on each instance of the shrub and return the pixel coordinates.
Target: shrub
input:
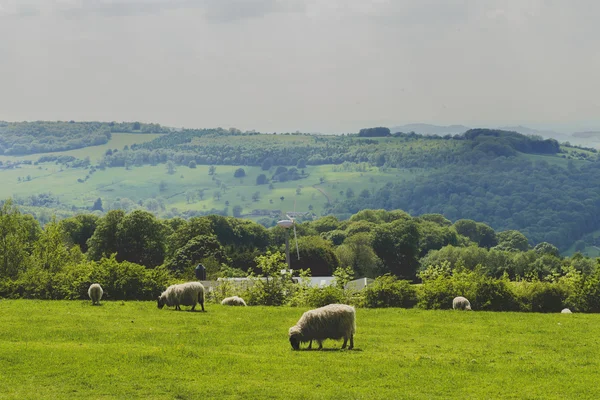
(319, 297)
(441, 285)
(494, 295)
(538, 296)
(271, 288)
(388, 291)
(129, 281)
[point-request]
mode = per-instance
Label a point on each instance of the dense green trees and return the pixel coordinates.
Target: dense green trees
(136, 255)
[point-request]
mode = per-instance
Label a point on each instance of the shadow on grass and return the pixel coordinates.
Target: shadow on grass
(329, 349)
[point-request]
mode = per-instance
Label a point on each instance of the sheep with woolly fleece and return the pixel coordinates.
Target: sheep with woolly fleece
(566, 311)
(95, 292)
(460, 303)
(183, 294)
(334, 321)
(233, 301)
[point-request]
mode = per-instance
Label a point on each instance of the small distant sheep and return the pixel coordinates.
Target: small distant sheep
(334, 321)
(233, 301)
(183, 294)
(460, 303)
(95, 292)
(566, 311)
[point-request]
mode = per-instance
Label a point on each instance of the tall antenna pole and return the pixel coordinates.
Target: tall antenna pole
(287, 249)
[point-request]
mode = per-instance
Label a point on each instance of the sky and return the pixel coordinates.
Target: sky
(328, 66)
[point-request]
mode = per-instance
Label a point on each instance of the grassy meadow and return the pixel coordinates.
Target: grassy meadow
(70, 349)
(140, 183)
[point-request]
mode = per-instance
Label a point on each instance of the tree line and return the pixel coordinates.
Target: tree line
(138, 247)
(21, 138)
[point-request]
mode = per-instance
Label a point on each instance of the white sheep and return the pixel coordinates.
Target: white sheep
(334, 321)
(566, 311)
(233, 301)
(183, 294)
(460, 303)
(95, 292)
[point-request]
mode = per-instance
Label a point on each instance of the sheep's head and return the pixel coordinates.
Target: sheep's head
(468, 308)
(295, 337)
(161, 302)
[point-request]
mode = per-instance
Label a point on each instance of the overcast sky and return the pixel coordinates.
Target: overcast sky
(308, 65)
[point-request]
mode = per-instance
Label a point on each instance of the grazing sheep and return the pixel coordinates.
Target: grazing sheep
(184, 294)
(566, 311)
(460, 303)
(233, 301)
(334, 321)
(95, 292)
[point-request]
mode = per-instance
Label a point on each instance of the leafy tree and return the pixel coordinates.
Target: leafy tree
(262, 179)
(97, 205)
(50, 250)
(187, 230)
(316, 253)
(141, 239)
(512, 241)
(171, 167)
(374, 132)
(239, 173)
(301, 164)
(195, 250)
(397, 245)
(192, 164)
(16, 239)
(480, 233)
(357, 252)
(546, 248)
(267, 164)
(256, 196)
(211, 170)
(237, 211)
(104, 242)
(79, 229)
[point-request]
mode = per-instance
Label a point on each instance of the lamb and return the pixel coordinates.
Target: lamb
(184, 294)
(566, 311)
(233, 301)
(95, 292)
(460, 303)
(334, 321)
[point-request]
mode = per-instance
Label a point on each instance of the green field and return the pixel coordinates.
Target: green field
(72, 350)
(137, 184)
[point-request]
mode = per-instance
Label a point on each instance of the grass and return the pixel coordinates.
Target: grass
(72, 350)
(142, 183)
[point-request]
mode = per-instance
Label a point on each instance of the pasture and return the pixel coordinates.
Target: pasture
(70, 349)
(181, 189)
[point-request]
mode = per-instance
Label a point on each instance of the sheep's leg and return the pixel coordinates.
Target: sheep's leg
(351, 342)
(320, 344)
(202, 305)
(345, 342)
(193, 308)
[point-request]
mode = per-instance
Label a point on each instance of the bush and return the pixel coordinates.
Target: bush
(388, 291)
(319, 297)
(441, 285)
(129, 281)
(538, 296)
(271, 288)
(494, 295)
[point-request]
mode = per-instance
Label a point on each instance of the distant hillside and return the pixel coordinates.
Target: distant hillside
(590, 135)
(428, 129)
(508, 180)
